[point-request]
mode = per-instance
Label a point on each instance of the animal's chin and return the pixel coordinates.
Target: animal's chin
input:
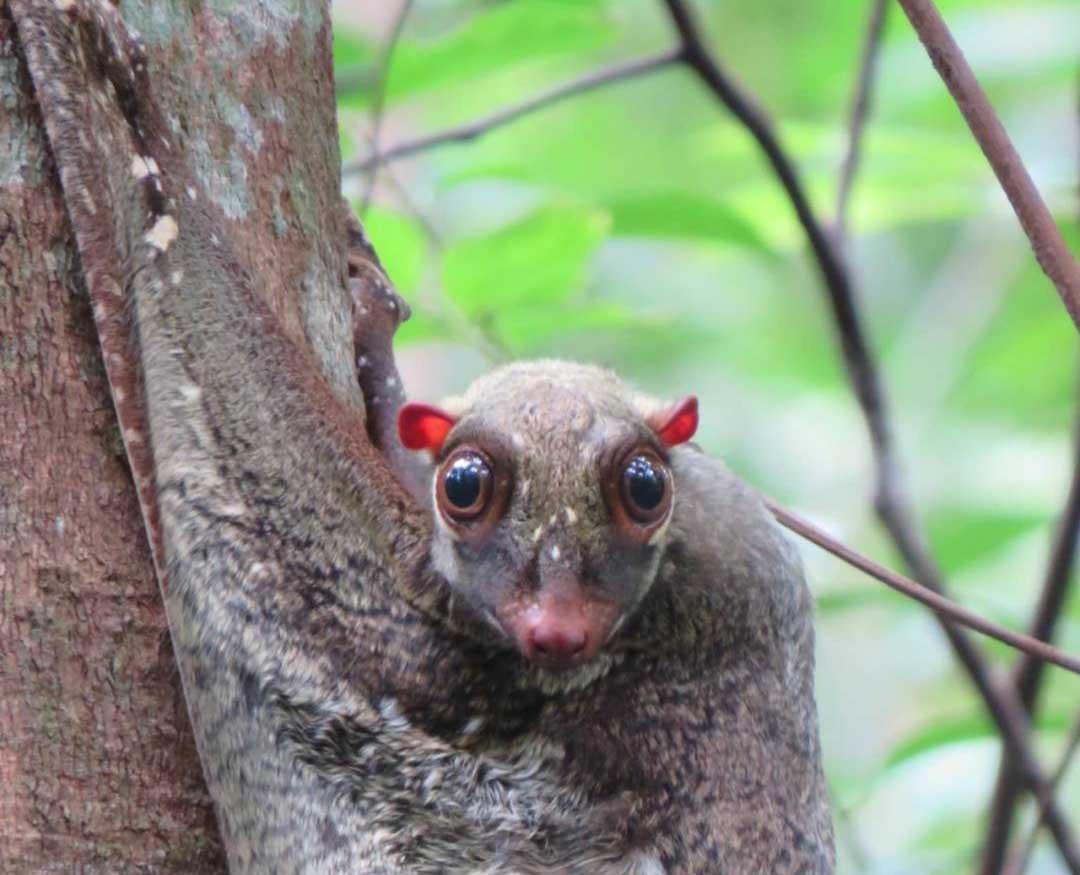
(568, 680)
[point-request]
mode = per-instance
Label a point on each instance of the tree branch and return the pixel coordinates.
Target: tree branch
(850, 334)
(1030, 647)
(1027, 673)
(860, 112)
(471, 130)
(1020, 863)
(1053, 255)
(380, 97)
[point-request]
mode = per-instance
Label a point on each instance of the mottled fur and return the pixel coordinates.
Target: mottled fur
(351, 716)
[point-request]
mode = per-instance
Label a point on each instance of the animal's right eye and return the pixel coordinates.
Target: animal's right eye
(465, 486)
(645, 489)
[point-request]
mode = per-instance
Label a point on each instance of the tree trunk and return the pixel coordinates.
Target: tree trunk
(97, 765)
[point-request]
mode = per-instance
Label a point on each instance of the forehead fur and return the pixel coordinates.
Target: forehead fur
(550, 393)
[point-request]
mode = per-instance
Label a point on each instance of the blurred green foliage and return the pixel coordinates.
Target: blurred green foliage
(638, 226)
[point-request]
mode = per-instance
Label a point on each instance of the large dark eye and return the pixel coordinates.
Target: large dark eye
(646, 492)
(465, 486)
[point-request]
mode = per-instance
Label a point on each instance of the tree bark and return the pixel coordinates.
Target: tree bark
(98, 771)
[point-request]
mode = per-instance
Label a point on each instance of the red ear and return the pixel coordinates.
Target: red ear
(676, 424)
(423, 427)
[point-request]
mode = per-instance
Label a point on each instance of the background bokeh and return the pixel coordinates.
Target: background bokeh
(638, 227)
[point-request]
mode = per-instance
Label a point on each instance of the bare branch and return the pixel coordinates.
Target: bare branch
(1020, 862)
(356, 78)
(474, 129)
(1053, 255)
(380, 96)
(938, 603)
(850, 334)
(860, 112)
(1027, 674)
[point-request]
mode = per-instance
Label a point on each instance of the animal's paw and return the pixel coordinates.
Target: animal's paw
(377, 309)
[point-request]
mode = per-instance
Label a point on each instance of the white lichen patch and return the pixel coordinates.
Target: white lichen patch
(140, 167)
(189, 392)
(164, 232)
(556, 554)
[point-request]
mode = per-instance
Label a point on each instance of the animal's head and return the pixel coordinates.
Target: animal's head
(552, 494)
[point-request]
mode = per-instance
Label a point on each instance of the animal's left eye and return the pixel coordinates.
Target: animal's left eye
(645, 488)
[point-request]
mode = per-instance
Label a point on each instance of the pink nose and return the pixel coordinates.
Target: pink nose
(556, 641)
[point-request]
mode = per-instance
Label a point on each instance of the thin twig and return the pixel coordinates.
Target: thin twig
(890, 502)
(408, 202)
(860, 112)
(1023, 857)
(380, 97)
(359, 77)
(861, 370)
(1027, 673)
(471, 130)
(933, 600)
(1050, 249)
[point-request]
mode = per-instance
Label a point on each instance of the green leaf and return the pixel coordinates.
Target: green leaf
(955, 730)
(351, 49)
(938, 734)
(502, 35)
(855, 598)
(1023, 369)
(962, 536)
(535, 262)
(422, 325)
(528, 330)
(684, 214)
